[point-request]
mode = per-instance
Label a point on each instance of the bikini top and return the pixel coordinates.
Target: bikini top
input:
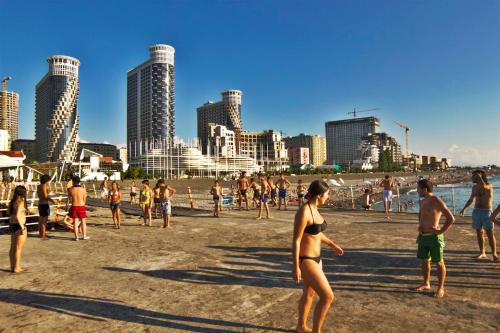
(315, 228)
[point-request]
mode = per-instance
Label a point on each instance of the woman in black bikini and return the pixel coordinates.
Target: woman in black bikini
(307, 266)
(17, 225)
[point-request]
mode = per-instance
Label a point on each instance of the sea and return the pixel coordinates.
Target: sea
(460, 191)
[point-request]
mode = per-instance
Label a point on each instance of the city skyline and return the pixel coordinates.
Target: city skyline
(424, 74)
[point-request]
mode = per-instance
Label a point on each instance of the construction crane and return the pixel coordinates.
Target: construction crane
(356, 111)
(4, 102)
(407, 132)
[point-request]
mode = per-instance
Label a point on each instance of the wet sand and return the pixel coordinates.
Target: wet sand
(233, 275)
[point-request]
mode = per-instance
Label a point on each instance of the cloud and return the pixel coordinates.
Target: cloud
(468, 156)
(453, 148)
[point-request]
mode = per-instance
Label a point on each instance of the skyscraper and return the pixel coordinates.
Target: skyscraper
(343, 138)
(226, 113)
(56, 117)
(12, 113)
(150, 102)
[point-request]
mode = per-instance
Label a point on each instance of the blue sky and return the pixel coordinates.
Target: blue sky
(434, 65)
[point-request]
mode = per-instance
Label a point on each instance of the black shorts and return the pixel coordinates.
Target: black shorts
(366, 206)
(243, 192)
(216, 199)
(14, 227)
(114, 206)
(157, 201)
(133, 194)
(44, 210)
(273, 193)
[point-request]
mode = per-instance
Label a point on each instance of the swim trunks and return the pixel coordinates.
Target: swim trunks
(44, 210)
(481, 219)
(264, 198)
(157, 201)
(282, 193)
(430, 246)
(166, 208)
(78, 212)
(243, 192)
(387, 195)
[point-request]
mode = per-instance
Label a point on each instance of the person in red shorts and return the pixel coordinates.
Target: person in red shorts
(78, 211)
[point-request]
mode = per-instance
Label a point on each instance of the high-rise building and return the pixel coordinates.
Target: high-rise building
(226, 113)
(12, 112)
(56, 116)
(374, 144)
(343, 138)
(267, 147)
(315, 143)
(150, 102)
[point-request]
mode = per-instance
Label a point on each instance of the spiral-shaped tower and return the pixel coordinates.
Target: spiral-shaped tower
(56, 116)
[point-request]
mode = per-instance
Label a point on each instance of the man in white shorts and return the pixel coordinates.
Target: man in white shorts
(166, 193)
(387, 184)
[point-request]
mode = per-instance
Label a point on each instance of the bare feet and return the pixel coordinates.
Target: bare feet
(482, 256)
(439, 293)
(495, 258)
(423, 287)
(303, 329)
(20, 270)
(258, 218)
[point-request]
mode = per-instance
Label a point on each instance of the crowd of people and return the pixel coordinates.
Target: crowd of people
(308, 230)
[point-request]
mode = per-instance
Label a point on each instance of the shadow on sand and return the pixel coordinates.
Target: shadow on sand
(97, 309)
(362, 269)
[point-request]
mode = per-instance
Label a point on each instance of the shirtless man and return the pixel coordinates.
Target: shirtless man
(242, 187)
(43, 205)
(156, 199)
(274, 193)
(283, 184)
(387, 183)
(482, 194)
(78, 211)
(431, 236)
(166, 194)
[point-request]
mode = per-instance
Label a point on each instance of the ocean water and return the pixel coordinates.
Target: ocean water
(462, 193)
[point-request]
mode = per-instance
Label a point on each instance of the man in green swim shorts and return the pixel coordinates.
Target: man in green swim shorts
(431, 237)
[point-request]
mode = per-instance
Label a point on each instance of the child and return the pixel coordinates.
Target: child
(301, 192)
(367, 199)
(216, 193)
(133, 193)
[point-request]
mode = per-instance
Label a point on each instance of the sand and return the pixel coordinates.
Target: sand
(233, 274)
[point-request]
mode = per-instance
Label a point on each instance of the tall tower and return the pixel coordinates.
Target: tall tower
(151, 101)
(12, 112)
(226, 112)
(56, 116)
(343, 138)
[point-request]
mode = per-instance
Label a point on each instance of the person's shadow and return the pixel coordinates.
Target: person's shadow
(99, 309)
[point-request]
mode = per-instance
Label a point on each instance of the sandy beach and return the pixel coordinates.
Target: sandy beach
(233, 274)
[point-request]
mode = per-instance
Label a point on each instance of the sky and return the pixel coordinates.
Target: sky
(432, 65)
